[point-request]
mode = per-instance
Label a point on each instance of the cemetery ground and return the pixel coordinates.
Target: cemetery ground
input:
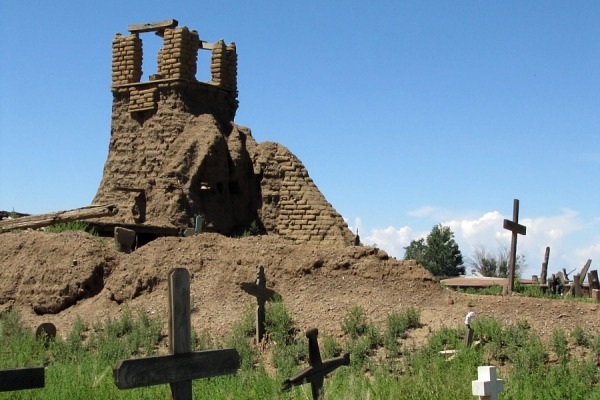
(109, 306)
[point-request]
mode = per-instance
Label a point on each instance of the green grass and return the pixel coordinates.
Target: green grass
(79, 366)
(71, 226)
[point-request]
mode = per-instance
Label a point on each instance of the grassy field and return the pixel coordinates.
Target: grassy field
(79, 366)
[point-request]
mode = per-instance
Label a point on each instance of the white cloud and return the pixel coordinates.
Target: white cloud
(422, 212)
(391, 239)
(590, 252)
(471, 229)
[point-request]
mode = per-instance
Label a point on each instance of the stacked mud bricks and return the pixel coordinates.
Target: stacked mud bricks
(177, 64)
(301, 218)
(127, 59)
(223, 65)
(179, 55)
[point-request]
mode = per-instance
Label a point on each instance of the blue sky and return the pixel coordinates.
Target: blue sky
(406, 113)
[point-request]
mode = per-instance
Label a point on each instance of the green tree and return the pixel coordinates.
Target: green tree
(439, 252)
(486, 264)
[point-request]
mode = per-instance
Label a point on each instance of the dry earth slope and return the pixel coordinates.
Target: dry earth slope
(57, 277)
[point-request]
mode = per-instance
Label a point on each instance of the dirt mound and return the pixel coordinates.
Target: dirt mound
(57, 277)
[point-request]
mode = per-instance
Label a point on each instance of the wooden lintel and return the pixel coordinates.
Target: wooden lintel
(206, 45)
(152, 27)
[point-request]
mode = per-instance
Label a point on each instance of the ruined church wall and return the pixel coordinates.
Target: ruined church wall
(175, 152)
(293, 206)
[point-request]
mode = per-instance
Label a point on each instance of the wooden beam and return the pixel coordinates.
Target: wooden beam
(152, 27)
(182, 366)
(21, 378)
(515, 227)
(584, 271)
(158, 370)
(41, 220)
(206, 45)
(544, 275)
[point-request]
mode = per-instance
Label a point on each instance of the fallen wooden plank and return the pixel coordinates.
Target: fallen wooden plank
(480, 282)
(41, 220)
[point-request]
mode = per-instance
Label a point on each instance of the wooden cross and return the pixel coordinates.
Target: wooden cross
(516, 229)
(183, 365)
(21, 378)
(315, 374)
(262, 294)
(488, 386)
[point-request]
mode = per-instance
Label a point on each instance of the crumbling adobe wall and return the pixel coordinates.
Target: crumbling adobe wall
(292, 205)
(175, 153)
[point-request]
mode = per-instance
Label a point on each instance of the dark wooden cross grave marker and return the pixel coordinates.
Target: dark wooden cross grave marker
(183, 365)
(262, 294)
(516, 229)
(21, 378)
(315, 374)
(28, 377)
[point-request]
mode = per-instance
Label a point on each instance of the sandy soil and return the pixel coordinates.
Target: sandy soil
(56, 277)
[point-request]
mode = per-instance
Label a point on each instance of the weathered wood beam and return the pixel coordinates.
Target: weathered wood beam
(21, 378)
(584, 271)
(154, 26)
(41, 220)
(544, 274)
(206, 45)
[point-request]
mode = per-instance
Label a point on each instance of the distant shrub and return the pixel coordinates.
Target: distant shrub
(398, 323)
(560, 344)
(355, 322)
(579, 337)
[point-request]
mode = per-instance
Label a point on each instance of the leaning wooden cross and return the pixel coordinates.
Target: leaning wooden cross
(262, 294)
(516, 229)
(315, 374)
(183, 365)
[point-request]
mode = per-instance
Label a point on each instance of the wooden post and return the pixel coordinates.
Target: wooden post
(318, 370)
(576, 289)
(593, 280)
(262, 294)
(584, 271)
(469, 337)
(544, 274)
(21, 378)
(180, 325)
(182, 366)
(516, 229)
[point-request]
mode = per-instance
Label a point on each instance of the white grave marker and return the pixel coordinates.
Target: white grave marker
(488, 386)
